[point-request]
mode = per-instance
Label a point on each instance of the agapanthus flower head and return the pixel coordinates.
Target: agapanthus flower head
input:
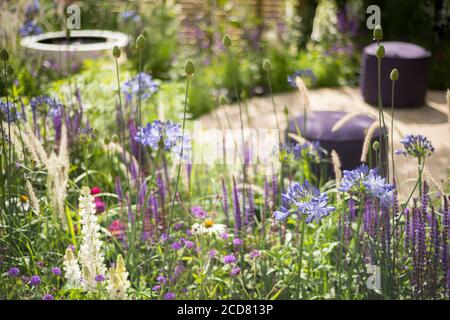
(130, 15)
(147, 87)
(13, 272)
(165, 135)
(377, 187)
(35, 280)
(29, 28)
(304, 199)
(417, 146)
(8, 112)
(352, 180)
(309, 151)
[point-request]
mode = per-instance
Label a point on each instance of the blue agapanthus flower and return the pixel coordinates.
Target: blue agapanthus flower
(131, 87)
(130, 15)
(30, 28)
(377, 187)
(416, 145)
(301, 73)
(304, 199)
(311, 151)
(32, 9)
(54, 105)
(352, 180)
(367, 181)
(9, 111)
(165, 135)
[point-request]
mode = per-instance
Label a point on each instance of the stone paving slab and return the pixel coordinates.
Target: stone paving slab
(431, 120)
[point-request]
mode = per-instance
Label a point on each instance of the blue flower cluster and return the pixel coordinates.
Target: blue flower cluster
(417, 146)
(130, 15)
(29, 26)
(311, 151)
(301, 73)
(370, 181)
(9, 111)
(167, 135)
(304, 199)
(55, 106)
(131, 87)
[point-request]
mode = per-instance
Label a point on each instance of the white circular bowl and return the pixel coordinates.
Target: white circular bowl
(98, 43)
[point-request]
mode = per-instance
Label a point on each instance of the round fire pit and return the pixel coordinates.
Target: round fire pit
(71, 52)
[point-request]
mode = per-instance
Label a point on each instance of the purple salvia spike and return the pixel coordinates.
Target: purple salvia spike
(407, 240)
(142, 192)
(266, 193)
(161, 188)
(387, 222)
(155, 208)
(118, 187)
(237, 210)
(134, 145)
(425, 198)
(225, 203)
(445, 229)
(251, 205)
(435, 240)
(133, 172)
(130, 211)
(189, 173)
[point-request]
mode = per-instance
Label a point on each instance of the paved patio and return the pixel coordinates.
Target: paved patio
(431, 120)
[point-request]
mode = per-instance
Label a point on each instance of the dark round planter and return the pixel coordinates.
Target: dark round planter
(413, 64)
(348, 141)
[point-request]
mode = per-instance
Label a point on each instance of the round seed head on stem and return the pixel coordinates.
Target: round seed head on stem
(267, 66)
(189, 68)
(378, 33)
(380, 52)
(4, 55)
(226, 41)
(116, 52)
(394, 74)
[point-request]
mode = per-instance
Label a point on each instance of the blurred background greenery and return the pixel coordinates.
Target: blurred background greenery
(322, 39)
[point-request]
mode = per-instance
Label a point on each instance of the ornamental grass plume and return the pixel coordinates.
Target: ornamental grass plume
(337, 168)
(58, 176)
(368, 140)
(342, 121)
(72, 270)
(33, 199)
(90, 255)
(118, 283)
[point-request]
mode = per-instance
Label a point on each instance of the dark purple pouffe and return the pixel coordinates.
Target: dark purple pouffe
(348, 141)
(412, 62)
